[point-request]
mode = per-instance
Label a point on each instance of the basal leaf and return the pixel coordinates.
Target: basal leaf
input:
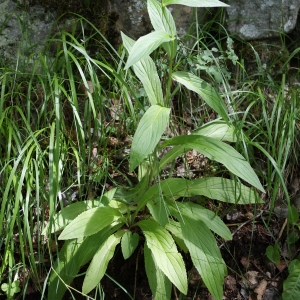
(146, 71)
(159, 283)
(132, 196)
(161, 18)
(145, 45)
(69, 213)
(220, 152)
(218, 130)
(129, 243)
(73, 255)
(175, 228)
(273, 254)
(205, 90)
(205, 254)
(148, 133)
(165, 253)
(225, 190)
(200, 213)
(291, 286)
(159, 210)
(90, 222)
(196, 3)
(99, 263)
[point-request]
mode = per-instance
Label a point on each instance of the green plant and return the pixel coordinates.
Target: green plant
(291, 286)
(11, 289)
(155, 209)
(45, 154)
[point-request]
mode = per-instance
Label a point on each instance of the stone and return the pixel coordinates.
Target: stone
(25, 25)
(134, 20)
(23, 30)
(257, 19)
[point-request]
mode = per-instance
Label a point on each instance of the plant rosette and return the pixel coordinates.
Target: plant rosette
(154, 209)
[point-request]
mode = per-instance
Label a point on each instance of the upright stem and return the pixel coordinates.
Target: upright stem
(168, 90)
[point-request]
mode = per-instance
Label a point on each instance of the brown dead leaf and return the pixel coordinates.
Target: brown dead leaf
(245, 262)
(282, 265)
(261, 288)
(251, 276)
(230, 283)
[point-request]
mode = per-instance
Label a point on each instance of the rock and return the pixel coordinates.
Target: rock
(26, 24)
(134, 20)
(23, 29)
(257, 19)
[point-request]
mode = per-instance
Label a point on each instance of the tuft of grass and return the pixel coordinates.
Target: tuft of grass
(54, 129)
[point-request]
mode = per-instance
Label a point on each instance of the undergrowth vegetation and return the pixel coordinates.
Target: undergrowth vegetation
(127, 151)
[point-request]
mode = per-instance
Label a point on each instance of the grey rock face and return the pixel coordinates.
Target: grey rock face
(23, 29)
(134, 20)
(133, 17)
(259, 19)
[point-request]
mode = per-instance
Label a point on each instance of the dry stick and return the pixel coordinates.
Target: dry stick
(281, 230)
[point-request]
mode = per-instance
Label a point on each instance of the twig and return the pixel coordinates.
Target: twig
(281, 230)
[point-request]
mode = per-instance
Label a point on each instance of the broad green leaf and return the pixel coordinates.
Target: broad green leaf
(205, 90)
(148, 133)
(122, 207)
(200, 213)
(132, 196)
(129, 243)
(175, 228)
(146, 45)
(90, 222)
(217, 188)
(98, 265)
(204, 253)
(146, 71)
(225, 190)
(159, 283)
(291, 286)
(218, 130)
(69, 213)
(220, 152)
(292, 238)
(73, 255)
(159, 210)
(171, 155)
(196, 3)
(161, 18)
(145, 169)
(273, 254)
(165, 253)
(171, 48)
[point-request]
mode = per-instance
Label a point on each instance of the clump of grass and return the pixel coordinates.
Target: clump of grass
(54, 129)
